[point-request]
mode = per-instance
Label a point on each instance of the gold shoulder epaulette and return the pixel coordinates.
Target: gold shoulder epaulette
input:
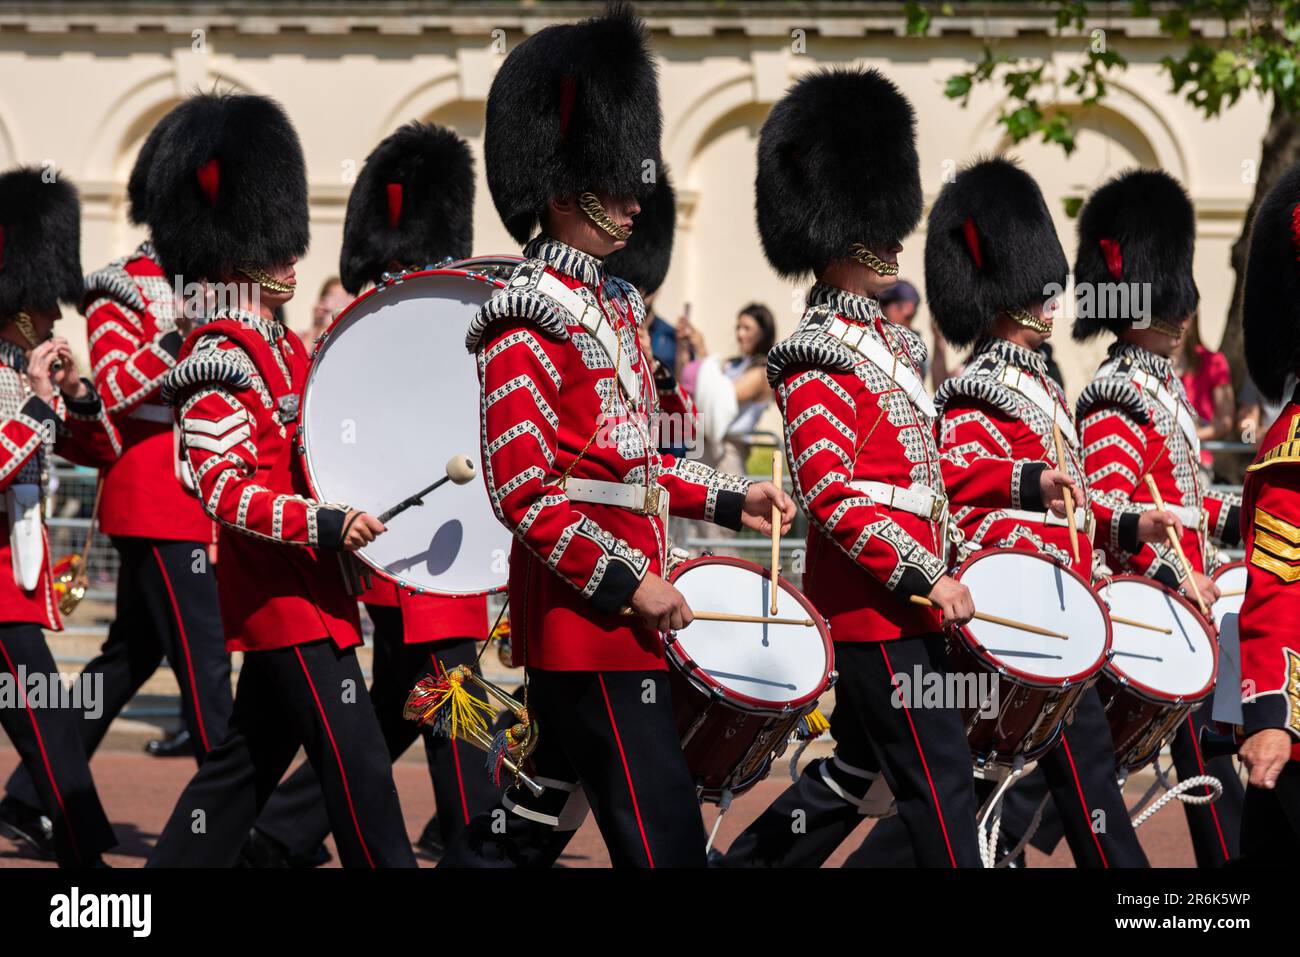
(1285, 451)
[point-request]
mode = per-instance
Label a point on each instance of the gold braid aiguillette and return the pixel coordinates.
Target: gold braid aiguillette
(591, 205)
(862, 254)
(265, 279)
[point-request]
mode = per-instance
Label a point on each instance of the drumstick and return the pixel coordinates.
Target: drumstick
(776, 530)
(743, 619)
(1232, 593)
(996, 620)
(1177, 546)
(1069, 496)
(1140, 624)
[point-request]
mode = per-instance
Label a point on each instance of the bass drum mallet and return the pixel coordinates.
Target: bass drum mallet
(460, 469)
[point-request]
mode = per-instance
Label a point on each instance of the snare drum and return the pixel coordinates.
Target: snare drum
(740, 689)
(391, 395)
(1153, 680)
(1025, 685)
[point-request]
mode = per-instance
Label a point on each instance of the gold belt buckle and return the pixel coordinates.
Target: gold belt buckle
(938, 505)
(651, 505)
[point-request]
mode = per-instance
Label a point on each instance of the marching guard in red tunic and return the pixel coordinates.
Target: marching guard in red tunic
(166, 587)
(838, 187)
(1133, 278)
(45, 408)
(994, 268)
(1270, 648)
(572, 145)
(412, 205)
(228, 208)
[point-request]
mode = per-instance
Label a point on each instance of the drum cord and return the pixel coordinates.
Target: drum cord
(1178, 791)
(993, 811)
(1030, 831)
(724, 803)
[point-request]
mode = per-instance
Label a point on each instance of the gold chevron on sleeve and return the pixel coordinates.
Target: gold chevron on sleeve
(1276, 546)
(1262, 559)
(1283, 452)
(1268, 522)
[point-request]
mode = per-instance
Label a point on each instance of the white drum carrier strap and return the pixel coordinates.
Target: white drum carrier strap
(26, 536)
(1029, 387)
(860, 340)
(593, 320)
(917, 500)
(1186, 424)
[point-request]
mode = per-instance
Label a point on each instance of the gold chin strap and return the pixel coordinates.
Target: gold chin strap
(24, 324)
(596, 213)
(860, 253)
(265, 279)
(1172, 330)
(1029, 320)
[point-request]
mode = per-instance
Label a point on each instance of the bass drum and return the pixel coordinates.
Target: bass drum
(494, 267)
(390, 397)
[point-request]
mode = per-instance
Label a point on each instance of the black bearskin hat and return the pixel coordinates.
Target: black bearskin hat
(574, 108)
(1270, 315)
(227, 187)
(137, 186)
(990, 246)
(413, 203)
(1139, 228)
(40, 242)
(644, 260)
(837, 166)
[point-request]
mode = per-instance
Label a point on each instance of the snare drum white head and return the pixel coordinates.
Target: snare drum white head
(764, 665)
(391, 396)
(1178, 665)
(1026, 587)
(1230, 578)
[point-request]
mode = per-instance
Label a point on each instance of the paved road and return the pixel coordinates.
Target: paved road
(138, 791)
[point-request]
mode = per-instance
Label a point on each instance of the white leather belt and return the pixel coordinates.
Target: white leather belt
(918, 500)
(151, 412)
(634, 498)
(1082, 518)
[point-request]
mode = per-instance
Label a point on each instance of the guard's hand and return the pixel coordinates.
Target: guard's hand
(1205, 584)
(39, 376)
(660, 605)
(953, 599)
(68, 379)
(1152, 524)
(1052, 484)
(1265, 754)
(757, 513)
(361, 528)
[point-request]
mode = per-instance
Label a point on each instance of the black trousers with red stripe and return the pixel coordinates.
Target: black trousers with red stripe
(46, 738)
(1215, 828)
(166, 606)
(311, 696)
(296, 816)
(1078, 774)
(608, 739)
(1270, 823)
(921, 751)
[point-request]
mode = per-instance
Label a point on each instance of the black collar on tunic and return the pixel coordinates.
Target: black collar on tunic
(562, 257)
(845, 303)
(1012, 354)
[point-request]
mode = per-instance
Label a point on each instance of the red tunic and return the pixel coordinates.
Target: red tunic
(130, 319)
(553, 409)
(1130, 420)
(237, 389)
(847, 421)
(1270, 644)
(82, 433)
(431, 617)
(996, 438)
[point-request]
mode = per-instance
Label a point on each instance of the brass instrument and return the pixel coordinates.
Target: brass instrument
(442, 702)
(70, 575)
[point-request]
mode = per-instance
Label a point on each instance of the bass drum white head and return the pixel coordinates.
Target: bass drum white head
(756, 666)
(1178, 665)
(391, 396)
